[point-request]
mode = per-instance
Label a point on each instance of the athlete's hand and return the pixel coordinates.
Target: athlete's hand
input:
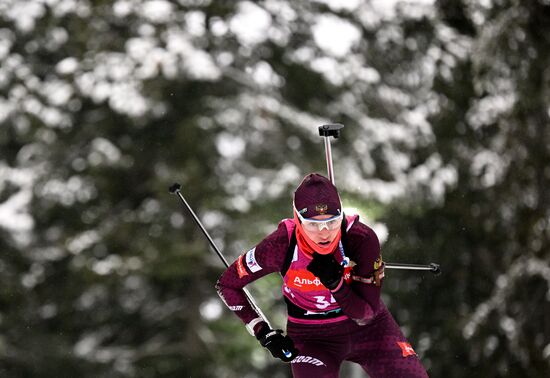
(280, 346)
(327, 269)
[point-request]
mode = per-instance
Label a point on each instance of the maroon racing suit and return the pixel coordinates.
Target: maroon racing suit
(350, 323)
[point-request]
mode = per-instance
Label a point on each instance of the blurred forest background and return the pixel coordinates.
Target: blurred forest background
(104, 104)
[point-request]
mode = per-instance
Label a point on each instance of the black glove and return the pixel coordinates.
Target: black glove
(327, 269)
(280, 346)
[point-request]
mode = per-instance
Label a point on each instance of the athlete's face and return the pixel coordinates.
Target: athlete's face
(325, 235)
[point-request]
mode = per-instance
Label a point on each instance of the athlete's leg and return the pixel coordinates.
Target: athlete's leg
(382, 350)
(316, 359)
(322, 348)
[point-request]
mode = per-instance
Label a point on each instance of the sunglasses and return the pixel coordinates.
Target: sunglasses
(318, 224)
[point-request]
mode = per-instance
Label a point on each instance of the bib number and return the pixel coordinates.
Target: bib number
(322, 303)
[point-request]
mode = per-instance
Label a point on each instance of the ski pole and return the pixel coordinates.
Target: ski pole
(176, 189)
(432, 267)
(326, 131)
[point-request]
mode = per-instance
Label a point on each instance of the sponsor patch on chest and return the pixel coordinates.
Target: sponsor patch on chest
(303, 280)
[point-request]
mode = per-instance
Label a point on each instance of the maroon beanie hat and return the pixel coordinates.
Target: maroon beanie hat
(316, 195)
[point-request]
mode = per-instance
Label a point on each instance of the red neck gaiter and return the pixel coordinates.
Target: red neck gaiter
(308, 246)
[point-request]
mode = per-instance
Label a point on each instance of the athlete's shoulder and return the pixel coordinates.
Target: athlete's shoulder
(270, 253)
(278, 239)
(284, 231)
(362, 242)
(360, 230)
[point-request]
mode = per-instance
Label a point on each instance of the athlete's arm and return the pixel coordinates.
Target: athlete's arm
(360, 301)
(267, 257)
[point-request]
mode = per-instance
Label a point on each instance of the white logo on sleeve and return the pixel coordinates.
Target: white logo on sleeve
(251, 261)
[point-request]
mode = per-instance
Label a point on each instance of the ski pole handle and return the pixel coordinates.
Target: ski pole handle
(176, 189)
